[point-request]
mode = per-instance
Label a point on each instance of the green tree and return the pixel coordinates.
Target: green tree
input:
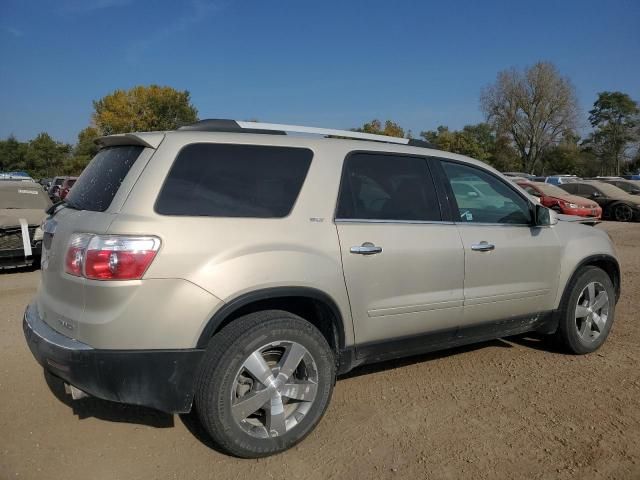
(83, 151)
(12, 154)
(478, 141)
(562, 158)
(534, 108)
(143, 109)
(44, 156)
(615, 118)
(391, 129)
(633, 166)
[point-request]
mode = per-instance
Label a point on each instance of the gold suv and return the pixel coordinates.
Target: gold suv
(232, 268)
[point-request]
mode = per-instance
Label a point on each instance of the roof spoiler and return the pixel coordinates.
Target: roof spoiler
(144, 139)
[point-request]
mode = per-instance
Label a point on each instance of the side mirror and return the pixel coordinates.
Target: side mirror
(595, 195)
(544, 216)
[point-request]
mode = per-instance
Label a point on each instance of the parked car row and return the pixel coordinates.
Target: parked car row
(558, 199)
(616, 203)
(59, 187)
(614, 198)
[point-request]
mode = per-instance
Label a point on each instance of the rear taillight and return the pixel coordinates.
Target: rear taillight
(110, 257)
(75, 253)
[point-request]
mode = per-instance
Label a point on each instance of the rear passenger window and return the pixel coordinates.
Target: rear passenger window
(387, 187)
(220, 180)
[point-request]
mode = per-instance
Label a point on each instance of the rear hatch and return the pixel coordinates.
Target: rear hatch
(90, 207)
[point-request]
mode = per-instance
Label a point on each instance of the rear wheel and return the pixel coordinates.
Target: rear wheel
(622, 212)
(587, 312)
(266, 381)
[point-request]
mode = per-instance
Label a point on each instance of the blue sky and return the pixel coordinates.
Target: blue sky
(322, 63)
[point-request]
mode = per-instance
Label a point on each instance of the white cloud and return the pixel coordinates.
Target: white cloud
(16, 32)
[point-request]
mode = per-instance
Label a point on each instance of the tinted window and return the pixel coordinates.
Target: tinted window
(100, 180)
(387, 187)
(220, 180)
(571, 188)
(483, 198)
(530, 190)
(588, 190)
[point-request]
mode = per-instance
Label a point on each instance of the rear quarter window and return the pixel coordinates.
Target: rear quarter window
(222, 180)
(95, 189)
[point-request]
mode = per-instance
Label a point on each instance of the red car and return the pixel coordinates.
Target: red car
(66, 186)
(562, 202)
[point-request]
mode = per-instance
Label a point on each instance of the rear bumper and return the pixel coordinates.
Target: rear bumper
(160, 379)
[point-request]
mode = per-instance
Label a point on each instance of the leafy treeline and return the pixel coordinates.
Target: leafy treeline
(531, 121)
(138, 109)
(532, 117)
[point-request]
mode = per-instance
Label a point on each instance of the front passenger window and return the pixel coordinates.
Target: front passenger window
(483, 198)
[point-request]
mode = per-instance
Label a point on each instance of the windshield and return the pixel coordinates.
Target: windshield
(610, 190)
(95, 188)
(23, 196)
(551, 190)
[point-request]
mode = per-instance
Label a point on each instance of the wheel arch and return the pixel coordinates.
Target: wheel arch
(608, 263)
(309, 303)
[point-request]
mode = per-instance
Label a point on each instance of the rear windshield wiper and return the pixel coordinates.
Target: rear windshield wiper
(62, 203)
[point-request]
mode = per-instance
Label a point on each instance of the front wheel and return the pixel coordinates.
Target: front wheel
(266, 381)
(587, 311)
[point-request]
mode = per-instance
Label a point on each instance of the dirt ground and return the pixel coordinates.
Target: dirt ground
(514, 408)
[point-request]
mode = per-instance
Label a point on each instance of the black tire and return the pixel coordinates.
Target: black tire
(568, 329)
(622, 212)
(225, 359)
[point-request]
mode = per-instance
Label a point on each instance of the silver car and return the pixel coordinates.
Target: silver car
(233, 269)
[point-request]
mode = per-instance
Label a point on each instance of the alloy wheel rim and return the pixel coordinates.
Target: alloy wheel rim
(623, 213)
(274, 389)
(592, 312)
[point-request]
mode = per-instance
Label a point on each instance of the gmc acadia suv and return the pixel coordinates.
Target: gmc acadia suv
(233, 269)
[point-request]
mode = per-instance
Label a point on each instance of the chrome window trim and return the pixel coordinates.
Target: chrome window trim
(488, 224)
(405, 222)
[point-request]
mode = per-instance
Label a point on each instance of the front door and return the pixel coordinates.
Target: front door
(403, 266)
(511, 266)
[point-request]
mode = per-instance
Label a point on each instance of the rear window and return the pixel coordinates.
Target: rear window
(95, 188)
(221, 180)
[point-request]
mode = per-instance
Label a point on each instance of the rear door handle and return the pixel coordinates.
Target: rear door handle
(367, 248)
(483, 246)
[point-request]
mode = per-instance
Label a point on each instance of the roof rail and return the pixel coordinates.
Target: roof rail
(237, 126)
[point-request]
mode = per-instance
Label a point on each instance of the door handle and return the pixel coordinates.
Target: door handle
(483, 246)
(367, 248)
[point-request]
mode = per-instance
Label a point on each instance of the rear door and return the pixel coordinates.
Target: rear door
(511, 266)
(403, 263)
